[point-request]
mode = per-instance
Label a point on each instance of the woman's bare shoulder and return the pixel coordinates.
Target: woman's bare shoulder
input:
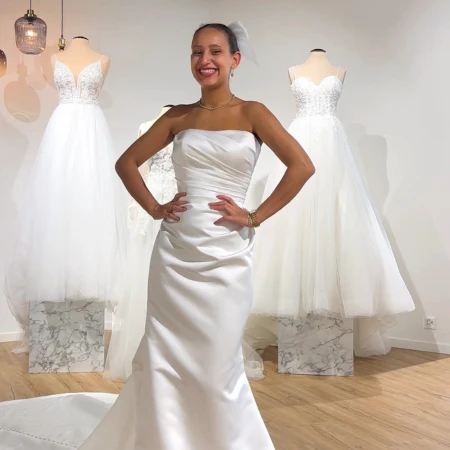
(253, 109)
(181, 110)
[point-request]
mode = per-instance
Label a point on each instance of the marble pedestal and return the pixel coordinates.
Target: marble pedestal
(316, 345)
(66, 337)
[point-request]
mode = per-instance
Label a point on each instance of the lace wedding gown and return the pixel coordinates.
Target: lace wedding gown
(332, 252)
(188, 389)
(129, 316)
(71, 232)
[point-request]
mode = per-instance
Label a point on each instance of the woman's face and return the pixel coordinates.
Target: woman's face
(211, 59)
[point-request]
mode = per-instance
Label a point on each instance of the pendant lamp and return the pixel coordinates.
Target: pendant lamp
(31, 33)
(3, 63)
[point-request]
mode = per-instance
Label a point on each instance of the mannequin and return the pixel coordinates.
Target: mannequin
(316, 68)
(129, 318)
(80, 54)
(338, 265)
(70, 252)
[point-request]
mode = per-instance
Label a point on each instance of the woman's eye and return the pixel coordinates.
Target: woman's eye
(215, 52)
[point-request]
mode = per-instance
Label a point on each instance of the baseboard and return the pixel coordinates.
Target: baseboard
(421, 346)
(10, 337)
(15, 335)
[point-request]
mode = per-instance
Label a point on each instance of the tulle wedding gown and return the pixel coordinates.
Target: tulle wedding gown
(188, 389)
(71, 230)
(332, 252)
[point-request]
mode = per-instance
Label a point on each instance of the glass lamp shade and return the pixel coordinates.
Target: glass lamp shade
(31, 33)
(3, 63)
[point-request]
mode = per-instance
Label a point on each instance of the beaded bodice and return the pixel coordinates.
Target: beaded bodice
(316, 99)
(85, 89)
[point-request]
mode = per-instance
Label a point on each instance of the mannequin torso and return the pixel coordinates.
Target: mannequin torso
(316, 68)
(144, 169)
(78, 55)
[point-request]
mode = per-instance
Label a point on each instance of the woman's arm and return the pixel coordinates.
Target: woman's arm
(127, 167)
(299, 167)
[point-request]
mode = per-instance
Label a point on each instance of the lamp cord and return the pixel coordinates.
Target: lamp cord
(62, 18)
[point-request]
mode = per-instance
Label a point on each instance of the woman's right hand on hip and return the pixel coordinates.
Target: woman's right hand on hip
(168, 210)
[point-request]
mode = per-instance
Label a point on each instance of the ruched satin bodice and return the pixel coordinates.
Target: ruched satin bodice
(208, 163)
(316, 99)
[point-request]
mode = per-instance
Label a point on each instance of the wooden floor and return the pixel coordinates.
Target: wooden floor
(401, 401)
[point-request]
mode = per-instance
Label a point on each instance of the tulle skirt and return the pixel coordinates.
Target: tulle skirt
(71, 240)
(326, 252)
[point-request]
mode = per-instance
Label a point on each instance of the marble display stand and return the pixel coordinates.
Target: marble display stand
(66, 337)
(316, 345)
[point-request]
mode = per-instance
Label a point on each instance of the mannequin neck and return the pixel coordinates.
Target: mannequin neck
(317, 56)
(79, 44)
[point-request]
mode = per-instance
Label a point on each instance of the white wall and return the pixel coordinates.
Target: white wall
(393, 107)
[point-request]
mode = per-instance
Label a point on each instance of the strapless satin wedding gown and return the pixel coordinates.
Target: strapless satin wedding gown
(188, 389)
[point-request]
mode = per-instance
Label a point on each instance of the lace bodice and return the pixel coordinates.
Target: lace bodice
(87, 87)
(316, 99)
(159, 176)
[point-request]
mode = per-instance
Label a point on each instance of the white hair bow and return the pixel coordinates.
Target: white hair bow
(243, 41)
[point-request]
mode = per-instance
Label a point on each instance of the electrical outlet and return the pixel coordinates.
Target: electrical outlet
(429, 323)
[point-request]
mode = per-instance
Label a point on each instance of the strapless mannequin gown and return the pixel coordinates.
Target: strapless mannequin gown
(188, 389)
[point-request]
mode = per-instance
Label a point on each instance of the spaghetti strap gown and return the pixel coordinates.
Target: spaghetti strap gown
(71, 231)
(329, 240)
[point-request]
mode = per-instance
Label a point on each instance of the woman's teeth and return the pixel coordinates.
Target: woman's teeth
(208, 72)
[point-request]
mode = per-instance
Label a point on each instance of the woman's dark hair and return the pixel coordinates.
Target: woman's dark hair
(168, 106)
(232, 41)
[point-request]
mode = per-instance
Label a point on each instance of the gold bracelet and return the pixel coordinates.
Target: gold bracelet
(254, 219)
(249, 220)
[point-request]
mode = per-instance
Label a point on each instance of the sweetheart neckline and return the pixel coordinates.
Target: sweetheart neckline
(75, 82)
(315, 84)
